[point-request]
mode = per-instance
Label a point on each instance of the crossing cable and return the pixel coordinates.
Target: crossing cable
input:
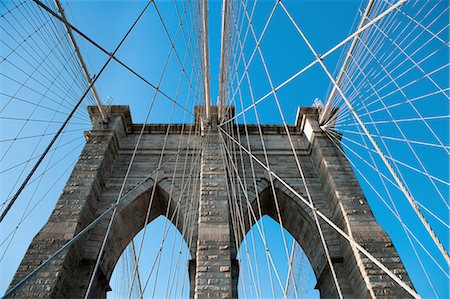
(235, 210)
(370, 114)
(330, 222)
(33, 194)
(391, 60)
(411, 200)
(27, 213)
(264, 148)
(411, 60)
(291, 272)
(164, 234)
(189, 217)
(398, 120)
(400, 89)
(176, 209)
(172, 43)
(81, 61)
(37, 143)
(388, 22)
(393, 80)
(326, 110)
(250, 60)
(186, 232)
(358, 52)
(80, 118)
(396, 161)
(40, 135)
(253, 175)
(226, 49)
(409, 100)
(252, 217)
(323, 56)
(244, 188)
(190, 213)
(311, 64)
(239, 43)
(165, 229)
(33, 158)
(33, 170)
(393, 120)
(110, 55)
(37, 70)
(412, 19)
(73, 68)
(10, 10)
(58, 40)
(344, 116)
(31, 89)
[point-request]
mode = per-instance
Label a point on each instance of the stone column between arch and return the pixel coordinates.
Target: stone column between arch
(215, 275)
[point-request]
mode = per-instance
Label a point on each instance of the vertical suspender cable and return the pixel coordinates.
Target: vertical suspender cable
(206, 58)
(326, 109)
(223, 67)
(81, 61)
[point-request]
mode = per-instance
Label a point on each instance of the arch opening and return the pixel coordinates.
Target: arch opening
(149, 227)
(297, 224)
(264, 264)
(162, 270)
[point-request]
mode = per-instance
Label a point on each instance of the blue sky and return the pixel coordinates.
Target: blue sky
(325, 23)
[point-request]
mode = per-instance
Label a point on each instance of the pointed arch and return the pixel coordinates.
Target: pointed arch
(297, 220)
(128, 222)
(258, 269)
(163, 265)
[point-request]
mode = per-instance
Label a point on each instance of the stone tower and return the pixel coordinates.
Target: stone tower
(96, 180)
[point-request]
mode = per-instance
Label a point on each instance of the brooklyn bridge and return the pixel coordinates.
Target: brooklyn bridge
(224, 149)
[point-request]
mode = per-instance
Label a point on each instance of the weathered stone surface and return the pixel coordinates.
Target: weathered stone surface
(98, 175)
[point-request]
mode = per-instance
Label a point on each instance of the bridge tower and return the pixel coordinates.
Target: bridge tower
(95, 182)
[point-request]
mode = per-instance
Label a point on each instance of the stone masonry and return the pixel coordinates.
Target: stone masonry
(97, 177)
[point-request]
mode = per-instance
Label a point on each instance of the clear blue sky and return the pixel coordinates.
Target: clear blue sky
(325, 23)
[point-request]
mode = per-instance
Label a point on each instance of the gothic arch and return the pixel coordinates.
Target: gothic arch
(128, 222)
(256, 244)
(149, 253)
(296, 220)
